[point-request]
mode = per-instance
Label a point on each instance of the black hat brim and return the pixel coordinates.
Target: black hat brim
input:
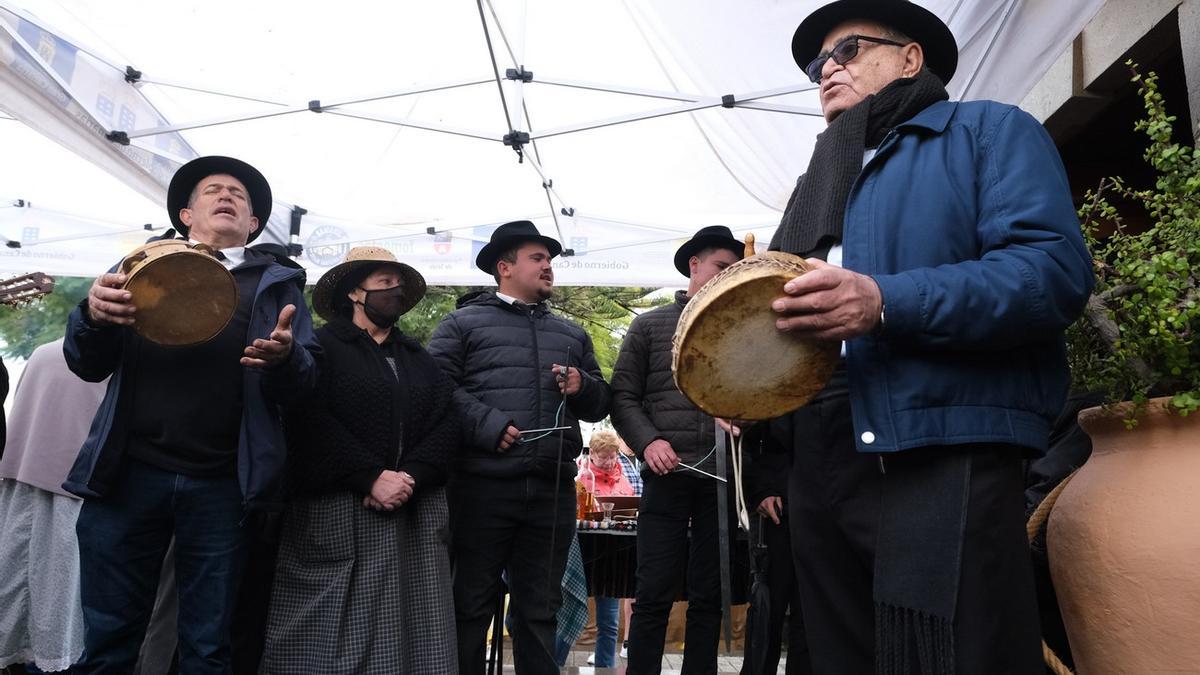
(188, 175)
(491, 252)
(918, 23)
(697, 244)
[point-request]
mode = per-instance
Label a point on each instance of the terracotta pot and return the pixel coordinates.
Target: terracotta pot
(1124, 541)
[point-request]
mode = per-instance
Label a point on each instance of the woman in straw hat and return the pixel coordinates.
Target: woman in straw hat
(363, 581)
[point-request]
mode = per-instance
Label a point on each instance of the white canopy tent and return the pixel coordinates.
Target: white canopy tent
(385, 123)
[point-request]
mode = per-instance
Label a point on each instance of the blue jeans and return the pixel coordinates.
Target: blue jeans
(122, 540)
(562, 650)
(606, 631)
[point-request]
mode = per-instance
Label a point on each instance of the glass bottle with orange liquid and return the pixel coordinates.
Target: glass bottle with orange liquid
(585, 486)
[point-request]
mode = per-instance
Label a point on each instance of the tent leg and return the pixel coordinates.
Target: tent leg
(723, 539)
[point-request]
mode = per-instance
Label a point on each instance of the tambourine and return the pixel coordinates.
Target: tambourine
(728, 357)
(183, 294)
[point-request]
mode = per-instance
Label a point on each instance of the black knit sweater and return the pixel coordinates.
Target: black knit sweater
(362, 416)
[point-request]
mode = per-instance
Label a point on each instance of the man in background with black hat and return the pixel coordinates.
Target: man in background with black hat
(525, 378)
(188, 441)
(949, 259)
(675, 441)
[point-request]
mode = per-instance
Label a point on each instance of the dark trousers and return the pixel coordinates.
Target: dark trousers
(668, 503)
(834, 507)
(503, 524)
(249, 628)
(158, 654)
(785, 596)
(122, 540)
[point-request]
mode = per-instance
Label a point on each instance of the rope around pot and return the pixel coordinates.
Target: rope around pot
(1040, 514)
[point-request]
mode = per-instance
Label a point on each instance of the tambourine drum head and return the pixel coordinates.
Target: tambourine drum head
(183, 297)
(730, 359)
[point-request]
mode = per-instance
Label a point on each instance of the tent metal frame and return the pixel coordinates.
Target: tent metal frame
(685, 103)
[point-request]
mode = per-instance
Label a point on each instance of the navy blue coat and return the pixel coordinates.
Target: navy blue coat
(95, 352)
(964, 218)
(500, 356)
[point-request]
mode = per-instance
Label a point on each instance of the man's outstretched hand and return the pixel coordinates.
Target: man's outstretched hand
(274, 351)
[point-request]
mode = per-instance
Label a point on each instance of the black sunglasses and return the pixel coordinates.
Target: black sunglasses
(842, 53)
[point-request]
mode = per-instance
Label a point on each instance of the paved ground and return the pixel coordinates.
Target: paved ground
(671, 664)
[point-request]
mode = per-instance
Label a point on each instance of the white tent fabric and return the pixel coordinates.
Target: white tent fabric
(615, 170)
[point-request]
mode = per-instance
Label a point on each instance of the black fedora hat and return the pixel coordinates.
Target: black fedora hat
(717, 236)
(507, 236)
(918, 23)
(188, 175)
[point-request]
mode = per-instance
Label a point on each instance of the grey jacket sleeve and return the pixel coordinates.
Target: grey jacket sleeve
(482, 424)
(629, 387)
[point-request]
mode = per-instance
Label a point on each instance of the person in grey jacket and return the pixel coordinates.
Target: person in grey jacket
(668, 432)
(525, 377)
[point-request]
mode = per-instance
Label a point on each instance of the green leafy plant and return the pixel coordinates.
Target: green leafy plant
(604, 312)
(1137, 338)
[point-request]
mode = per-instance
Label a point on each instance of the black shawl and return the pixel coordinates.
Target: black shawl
(363, 419)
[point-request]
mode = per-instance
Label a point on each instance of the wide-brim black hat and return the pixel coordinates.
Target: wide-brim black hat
(188, 175)
(717, 236)
(918, 23)
(329, 286)
(506, 237)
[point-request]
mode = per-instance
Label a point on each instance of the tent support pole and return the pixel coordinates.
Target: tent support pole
(403, 122)
(80, 237)
(495, 69)
(320, 107)
(500, 29)
(1008, 12)
(669, 95)
(723, 537)
(691, 105)
(773, 107)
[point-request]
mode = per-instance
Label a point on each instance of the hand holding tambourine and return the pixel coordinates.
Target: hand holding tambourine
(829, 303)
(108, 301)
(169, 291)
(729, 356)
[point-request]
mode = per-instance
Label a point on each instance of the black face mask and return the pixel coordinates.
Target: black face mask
(383, 307)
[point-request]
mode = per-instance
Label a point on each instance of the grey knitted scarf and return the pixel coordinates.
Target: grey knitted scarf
(812, 221)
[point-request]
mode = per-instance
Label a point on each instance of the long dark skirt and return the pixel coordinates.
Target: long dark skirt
(359, 591)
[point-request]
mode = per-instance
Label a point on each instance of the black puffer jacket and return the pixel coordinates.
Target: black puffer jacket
(646, 403)
(500, 357)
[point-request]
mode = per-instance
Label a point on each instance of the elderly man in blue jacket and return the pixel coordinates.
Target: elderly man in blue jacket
(188, 440)
(949, 260)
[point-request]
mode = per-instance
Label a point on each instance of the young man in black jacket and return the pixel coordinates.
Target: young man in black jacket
(667, 432)
(520, 370)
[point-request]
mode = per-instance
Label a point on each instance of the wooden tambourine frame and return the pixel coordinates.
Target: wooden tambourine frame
(183, 294)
